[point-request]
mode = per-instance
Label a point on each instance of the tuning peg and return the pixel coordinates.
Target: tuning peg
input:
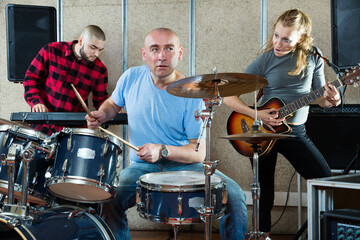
(356, 84)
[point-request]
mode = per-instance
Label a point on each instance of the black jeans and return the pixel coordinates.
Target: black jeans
(303, 156)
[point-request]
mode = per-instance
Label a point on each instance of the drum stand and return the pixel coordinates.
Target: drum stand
(206, 212)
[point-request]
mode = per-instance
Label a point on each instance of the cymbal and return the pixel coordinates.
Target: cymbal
(204, 86)
(7, 122)
(256, 137)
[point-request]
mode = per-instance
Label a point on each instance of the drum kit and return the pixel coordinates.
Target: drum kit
(79, 165)
(38, 171)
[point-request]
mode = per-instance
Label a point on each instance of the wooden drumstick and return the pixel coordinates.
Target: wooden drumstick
(102, 129)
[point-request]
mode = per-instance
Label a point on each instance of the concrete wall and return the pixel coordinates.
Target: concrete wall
(227, 37)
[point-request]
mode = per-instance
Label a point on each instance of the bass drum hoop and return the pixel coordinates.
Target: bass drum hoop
(5, 219)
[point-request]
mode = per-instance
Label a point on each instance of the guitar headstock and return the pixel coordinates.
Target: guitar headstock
(351, 76)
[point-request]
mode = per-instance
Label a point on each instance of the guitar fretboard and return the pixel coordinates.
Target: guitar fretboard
(305, 100)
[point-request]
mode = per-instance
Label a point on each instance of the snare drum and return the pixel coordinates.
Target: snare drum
(12, 134)
(173, 197)
(57, 223)
(85, 166)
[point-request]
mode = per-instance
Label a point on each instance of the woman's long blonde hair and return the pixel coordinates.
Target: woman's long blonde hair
(301, 22)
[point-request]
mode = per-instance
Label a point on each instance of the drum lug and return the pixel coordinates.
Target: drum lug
(139, 204)
(69, 142)
(64, 167)
(48, 172)
(224, 195)
(75, 213)
(105, 148)
(180, 209)
(35, 178)
(101, 173)
(214, 201)
(147, 200)
(13, 223)
(5, 139)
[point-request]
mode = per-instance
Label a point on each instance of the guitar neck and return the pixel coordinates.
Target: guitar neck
(305, 100)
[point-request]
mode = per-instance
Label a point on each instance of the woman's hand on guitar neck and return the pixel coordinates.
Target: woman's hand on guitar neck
(269, 117)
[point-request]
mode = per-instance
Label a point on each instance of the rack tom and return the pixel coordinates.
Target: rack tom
(85, 166)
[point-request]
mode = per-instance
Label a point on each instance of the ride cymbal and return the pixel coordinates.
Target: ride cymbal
(212, 85)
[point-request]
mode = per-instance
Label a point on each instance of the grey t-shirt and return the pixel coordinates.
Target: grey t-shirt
(282, 85)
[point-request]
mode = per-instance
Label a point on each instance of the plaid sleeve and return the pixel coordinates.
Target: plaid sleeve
(99, 92)
(35, 74)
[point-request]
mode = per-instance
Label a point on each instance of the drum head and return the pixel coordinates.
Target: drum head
(81, 191)
(175, 181)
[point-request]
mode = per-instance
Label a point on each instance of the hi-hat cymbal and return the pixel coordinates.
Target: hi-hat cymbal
(256, 137)
(7, 122)
(204, 86)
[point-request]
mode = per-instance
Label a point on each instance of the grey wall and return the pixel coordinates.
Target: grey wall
(227, 36)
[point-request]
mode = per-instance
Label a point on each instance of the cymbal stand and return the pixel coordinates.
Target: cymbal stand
(206, 212)
(9, 160)
(10, 208)
(255, 190)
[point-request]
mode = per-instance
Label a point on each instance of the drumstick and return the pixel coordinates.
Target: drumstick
(102, 129)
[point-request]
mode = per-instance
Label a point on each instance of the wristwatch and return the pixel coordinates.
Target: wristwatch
(164, 152)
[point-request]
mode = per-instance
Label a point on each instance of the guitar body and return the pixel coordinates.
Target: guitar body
(239, 124)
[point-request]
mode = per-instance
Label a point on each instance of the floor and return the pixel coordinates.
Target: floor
(163, 235)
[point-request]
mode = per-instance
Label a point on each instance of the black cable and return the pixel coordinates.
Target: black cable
(286, 202)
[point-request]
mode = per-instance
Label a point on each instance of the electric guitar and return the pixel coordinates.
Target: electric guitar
(239, 123)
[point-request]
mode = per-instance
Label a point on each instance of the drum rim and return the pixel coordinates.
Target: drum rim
(5, 127)
(175, 187)
(93, 133)
(27, 132)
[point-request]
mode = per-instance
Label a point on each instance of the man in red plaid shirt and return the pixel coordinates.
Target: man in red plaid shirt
(49, 77)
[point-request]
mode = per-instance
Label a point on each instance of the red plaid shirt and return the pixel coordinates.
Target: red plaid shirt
(50, 74)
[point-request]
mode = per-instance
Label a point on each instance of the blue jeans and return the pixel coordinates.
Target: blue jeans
(232, 226)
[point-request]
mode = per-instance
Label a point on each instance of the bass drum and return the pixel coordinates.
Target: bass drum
(57, 223)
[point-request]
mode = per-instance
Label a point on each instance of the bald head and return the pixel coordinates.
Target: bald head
(162, 52)
(162, 31)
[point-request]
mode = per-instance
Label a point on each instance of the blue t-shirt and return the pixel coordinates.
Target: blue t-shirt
(154, 115)
(282, 85)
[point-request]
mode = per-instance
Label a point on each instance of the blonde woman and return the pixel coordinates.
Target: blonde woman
(293, 70)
